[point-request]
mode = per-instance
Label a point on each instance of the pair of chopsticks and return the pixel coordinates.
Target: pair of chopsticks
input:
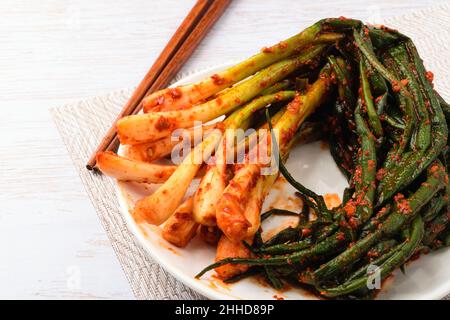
(177, 51)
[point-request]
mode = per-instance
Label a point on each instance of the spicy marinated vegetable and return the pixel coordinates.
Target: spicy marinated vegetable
(362, 87)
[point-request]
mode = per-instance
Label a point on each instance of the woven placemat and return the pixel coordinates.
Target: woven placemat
(83, 124)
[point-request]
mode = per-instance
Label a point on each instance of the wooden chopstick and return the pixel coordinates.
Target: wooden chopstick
(110, 141)
(191, 43)
(179, 48)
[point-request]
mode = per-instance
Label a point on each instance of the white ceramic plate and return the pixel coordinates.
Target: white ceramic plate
(427, 278)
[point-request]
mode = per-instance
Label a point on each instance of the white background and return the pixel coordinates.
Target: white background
(54, 52)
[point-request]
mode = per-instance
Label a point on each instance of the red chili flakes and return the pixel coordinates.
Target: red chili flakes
(340, 236)
(175, 93)
(286, 135)
(378, 99)
(350, 208)
(354, 223)
(218, 80)
(358, 174)
(381, 173)
(162, 123)
(306, 232)
(415, 256)
(333, 78)
(399, 197)
(302, 277)
(294, 105)
(282, 45)
(402, 204)
(263, 84)
(267, 50)
(381, 212)
(343, 224)
(396, 86)
(160, 100)
(220, 126)
(395, 157)
(434, 168)
(360, 91)
(430, 76)
(372, 254)
(371, 164)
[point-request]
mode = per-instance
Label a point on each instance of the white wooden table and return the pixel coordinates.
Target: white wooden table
(53, 52)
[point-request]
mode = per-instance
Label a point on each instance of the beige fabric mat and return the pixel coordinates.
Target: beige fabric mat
(83, 124)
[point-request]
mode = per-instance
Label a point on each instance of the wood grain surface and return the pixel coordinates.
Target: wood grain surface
(55, 52)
